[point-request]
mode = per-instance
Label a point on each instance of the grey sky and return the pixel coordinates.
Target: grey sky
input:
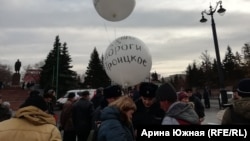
(170, 29)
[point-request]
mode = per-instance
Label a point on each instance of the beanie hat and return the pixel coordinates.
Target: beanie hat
(244, 87)
(147, 89)
(71, 95)
(112, 91)
(166, 92)
(34, 93)
(49, 94)
(36, 100)
(182, 95)
(51, 91)
(99, 90)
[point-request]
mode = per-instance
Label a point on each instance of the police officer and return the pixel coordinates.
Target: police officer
(148, 109)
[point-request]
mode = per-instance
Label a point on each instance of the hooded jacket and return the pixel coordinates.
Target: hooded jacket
(180, 111)
(112, 128)
(239, 113)
(29, 124)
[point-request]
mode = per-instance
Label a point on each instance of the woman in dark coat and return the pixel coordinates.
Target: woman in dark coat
(116, 121)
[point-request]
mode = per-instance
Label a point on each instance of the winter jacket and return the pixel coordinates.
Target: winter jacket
(147, 115)
(82, 113)
(180, 113)
(66, 122)
(30, 124)
(239, 113)
(112, 128)
(198, 105)
(5, 113)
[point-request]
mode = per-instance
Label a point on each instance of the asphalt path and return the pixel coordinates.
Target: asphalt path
(214, 114)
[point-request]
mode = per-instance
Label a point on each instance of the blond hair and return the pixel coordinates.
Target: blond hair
(124, 104)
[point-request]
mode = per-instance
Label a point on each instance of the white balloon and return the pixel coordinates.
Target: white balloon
(114, 10)
(127, 61)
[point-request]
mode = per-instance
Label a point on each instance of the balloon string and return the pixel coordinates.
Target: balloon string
(115, 31)
(106, 29)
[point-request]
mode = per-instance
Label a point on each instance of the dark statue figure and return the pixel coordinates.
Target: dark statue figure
(17, 66)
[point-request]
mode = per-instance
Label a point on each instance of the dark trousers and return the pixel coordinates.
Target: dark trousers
(82, 135)
(69, 136)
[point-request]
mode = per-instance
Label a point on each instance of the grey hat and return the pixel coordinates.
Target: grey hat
(166, 92)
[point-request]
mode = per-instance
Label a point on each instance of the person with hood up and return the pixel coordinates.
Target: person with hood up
(176, 112)
(30, 122)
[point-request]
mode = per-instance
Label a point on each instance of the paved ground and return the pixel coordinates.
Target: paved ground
(213, 114)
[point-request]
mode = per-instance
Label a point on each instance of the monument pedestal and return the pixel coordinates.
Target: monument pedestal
(16, 79)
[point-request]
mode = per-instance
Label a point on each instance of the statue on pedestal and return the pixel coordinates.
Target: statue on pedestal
(16, 76)
(17, 66)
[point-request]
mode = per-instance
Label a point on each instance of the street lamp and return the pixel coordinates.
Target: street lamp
(211, 12)
(57, 69)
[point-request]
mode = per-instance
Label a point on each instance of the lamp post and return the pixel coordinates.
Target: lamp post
(211, 12)
(57, 69)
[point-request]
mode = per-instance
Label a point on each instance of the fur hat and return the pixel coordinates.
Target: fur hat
(244, 87)
(112, 91)
(166, 92)
(36, 100)
(147, 89)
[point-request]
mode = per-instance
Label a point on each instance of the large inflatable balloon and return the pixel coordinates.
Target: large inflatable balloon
(127, 61)
(114, 10)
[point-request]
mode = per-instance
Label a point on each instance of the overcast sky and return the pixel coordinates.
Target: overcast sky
(169, 28)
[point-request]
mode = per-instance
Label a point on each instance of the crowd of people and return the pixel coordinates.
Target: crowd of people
(114, 115)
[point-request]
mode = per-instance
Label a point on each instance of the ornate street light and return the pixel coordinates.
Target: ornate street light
(211, 12)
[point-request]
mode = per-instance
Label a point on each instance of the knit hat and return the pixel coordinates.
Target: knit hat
(147, 89)
(49, 94)
(182, 95)
(112, 91)
(71, 95)
(166, 92)
(244, 87)
(36, 100)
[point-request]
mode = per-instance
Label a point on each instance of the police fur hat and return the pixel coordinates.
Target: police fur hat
(147, 89)
(166, 92)
(112, 91)
(244, 87)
